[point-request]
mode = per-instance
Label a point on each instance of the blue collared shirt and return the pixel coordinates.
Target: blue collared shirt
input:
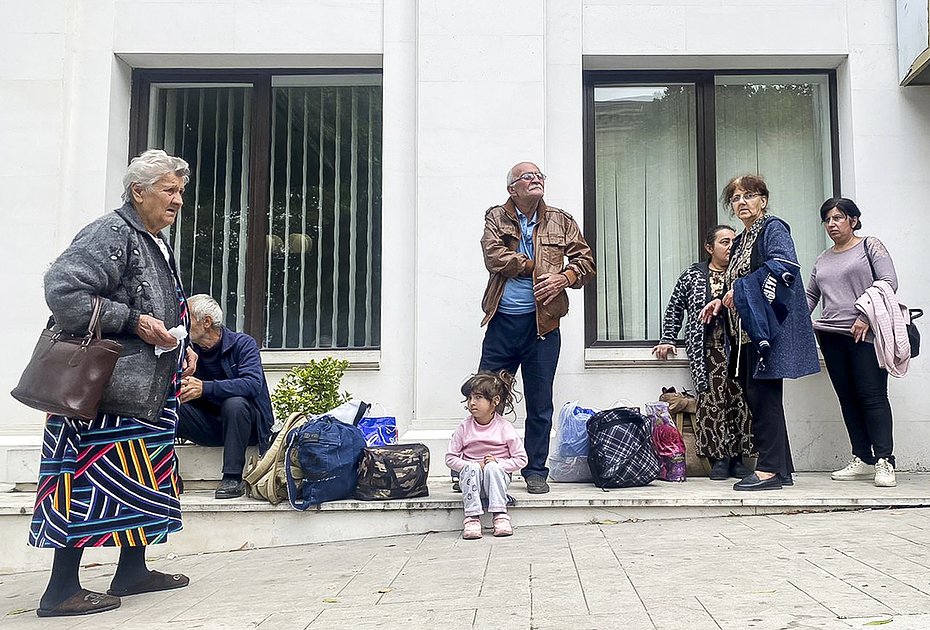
(518, 292)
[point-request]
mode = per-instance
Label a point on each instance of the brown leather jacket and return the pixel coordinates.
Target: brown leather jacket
(555, 238)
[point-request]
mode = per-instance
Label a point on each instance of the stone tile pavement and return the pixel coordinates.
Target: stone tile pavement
(835, 570)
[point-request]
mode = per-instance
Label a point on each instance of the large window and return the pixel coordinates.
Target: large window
(282, 216)
(660, 148)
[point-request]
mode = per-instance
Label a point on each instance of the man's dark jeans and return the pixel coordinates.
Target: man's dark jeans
(862, 388)
(511, 342)
(233, 425)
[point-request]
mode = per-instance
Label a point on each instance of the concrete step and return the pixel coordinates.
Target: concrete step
(201, 466)
(211, 525)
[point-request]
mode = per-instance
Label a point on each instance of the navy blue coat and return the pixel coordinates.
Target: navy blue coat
(242, 367)
(793, 351)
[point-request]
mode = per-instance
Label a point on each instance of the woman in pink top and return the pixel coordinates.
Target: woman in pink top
(485, 450)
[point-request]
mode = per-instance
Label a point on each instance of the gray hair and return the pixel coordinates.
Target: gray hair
(202, 305)
(150, 167)
(510, 178)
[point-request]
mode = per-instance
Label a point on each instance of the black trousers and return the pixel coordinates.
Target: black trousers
(765, 397)
(232, 425)
(862, 388)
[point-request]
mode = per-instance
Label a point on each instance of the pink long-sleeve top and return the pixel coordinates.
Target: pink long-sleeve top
(472, 442)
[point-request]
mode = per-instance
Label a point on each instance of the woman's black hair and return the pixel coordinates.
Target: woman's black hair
(711, 235)
(491, 384)
(844, 205)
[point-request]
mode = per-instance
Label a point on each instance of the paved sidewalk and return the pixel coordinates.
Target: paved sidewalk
(826, 570)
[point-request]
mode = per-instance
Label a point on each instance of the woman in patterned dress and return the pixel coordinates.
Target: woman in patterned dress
(722, 423)
(112, 481)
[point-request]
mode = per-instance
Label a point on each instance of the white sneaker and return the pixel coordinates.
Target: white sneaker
(854, 470)
(884, 474)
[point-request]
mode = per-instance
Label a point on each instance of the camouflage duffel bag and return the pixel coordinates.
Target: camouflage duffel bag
(394, 471)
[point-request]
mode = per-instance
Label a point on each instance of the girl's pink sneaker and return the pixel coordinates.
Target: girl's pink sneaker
(472, 529)
(502, 525)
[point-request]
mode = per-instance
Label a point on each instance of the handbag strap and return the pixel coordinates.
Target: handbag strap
(93, 326)
(363, 408)
(868, 256)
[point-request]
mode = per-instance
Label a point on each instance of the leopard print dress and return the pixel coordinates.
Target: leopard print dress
(723, 425)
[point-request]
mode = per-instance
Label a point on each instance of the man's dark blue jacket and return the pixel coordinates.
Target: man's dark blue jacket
(242, 366)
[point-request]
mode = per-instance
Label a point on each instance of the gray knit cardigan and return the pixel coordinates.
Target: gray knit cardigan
(114, 257)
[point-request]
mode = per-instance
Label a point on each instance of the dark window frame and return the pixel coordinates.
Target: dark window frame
(259, 159)
(706, 159)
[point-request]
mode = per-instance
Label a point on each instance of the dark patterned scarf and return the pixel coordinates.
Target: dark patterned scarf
(740, 267)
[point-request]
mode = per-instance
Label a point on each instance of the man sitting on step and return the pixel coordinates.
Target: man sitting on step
(226, 401)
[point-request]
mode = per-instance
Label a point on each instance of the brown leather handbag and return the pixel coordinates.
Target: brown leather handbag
(67, 374)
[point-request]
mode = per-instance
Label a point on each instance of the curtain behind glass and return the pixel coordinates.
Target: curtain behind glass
(209, 127)
(779, 127)
(324, 221)
(646, 173)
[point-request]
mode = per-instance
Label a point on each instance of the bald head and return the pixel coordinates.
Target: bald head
(526, 185)
(517, 169)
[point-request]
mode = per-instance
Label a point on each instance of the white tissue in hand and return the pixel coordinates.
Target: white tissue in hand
(179, 332)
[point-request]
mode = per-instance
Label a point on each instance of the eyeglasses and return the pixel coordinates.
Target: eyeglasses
(839, 218)
(747, 196)
(528, 177)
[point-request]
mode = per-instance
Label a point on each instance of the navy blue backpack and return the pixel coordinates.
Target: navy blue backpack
(327, 451)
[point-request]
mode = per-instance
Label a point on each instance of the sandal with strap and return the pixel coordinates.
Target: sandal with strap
(472, 528)
(502, 525)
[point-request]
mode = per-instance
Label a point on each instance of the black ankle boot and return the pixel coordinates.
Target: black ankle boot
(720, 471)
(738, 469)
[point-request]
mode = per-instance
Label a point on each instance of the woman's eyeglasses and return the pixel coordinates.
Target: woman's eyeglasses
(747, 196)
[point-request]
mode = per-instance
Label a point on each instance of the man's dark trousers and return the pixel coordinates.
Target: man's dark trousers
(511, 341)
(231, 425)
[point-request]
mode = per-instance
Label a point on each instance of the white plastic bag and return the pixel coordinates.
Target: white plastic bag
(348, 411)
(569, 462)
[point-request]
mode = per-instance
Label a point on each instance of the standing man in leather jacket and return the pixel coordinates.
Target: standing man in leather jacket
(533, 253)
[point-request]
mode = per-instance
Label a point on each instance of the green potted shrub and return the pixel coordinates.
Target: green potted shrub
(312, 388)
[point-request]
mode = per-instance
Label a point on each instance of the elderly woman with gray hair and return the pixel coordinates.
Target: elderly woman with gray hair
(111, 481)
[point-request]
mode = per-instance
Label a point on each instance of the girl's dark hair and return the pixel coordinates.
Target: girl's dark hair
(491, 384)
(749, 183)
(711, 235)
(844, 205)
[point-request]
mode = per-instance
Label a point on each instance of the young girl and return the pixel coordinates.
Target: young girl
(485, 451)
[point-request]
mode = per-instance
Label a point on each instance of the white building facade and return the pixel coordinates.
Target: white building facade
(344, 154)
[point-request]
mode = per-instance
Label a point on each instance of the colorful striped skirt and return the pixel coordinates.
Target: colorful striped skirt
(110, 481)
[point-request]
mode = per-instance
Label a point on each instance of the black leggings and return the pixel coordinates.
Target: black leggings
(862, 388)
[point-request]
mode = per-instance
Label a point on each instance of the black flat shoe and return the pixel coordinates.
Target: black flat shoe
(787, 481)
(752, 482)
(230, 489)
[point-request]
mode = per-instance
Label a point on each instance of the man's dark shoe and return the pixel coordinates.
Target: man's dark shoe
(720, 471)
(753, 482)
(536, 484)
(738, 469)
(230, 489)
